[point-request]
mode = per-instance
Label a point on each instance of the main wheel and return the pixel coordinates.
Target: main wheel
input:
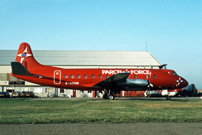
(111, 97)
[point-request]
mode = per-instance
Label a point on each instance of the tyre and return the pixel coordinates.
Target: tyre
(168, 97)
(111, 97)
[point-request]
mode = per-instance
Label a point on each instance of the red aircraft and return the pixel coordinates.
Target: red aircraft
(110, 80)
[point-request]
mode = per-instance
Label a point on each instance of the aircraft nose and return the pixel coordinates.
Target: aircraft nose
(184, 82)
(181, 82)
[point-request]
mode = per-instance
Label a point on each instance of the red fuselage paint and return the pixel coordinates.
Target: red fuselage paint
(86, 79)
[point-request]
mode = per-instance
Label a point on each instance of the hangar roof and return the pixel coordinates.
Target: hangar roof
(85, 58)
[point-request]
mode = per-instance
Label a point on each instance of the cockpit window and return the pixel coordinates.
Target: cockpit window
(174, 73)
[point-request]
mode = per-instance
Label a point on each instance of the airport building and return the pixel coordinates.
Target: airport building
(73, 59)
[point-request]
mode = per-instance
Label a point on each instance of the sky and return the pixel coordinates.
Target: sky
(171, 29)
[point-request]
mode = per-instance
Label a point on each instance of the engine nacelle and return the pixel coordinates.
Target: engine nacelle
(134, 84)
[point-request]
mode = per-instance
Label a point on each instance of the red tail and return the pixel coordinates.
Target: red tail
(25, 57)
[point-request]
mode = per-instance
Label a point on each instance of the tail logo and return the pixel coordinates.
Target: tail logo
(24, 55)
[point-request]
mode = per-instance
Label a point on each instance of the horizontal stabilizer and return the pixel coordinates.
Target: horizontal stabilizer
(19, 69)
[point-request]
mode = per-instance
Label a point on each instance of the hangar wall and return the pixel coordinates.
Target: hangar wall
(72, 59)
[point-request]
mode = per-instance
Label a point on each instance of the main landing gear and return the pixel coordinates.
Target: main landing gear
(108, 95)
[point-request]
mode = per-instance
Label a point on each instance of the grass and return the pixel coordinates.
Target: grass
(27, 111)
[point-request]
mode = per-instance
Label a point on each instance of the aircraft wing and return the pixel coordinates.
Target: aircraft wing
(112, 81)
(119, 77)
(120, 81)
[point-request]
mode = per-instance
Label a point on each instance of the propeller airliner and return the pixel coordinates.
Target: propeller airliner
(111, 81)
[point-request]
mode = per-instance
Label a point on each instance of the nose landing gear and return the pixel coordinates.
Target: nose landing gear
(168, 97)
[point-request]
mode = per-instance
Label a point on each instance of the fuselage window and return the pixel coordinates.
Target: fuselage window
(78, 76)
(72, 76)
(100, 76)
(174, 73)
(135, 76)
(107, 76)
(65, 76)
(93, 76)
(154, 76)
(147, 76)
(85, 76)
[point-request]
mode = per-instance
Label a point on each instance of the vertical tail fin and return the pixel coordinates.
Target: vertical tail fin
(25, 57)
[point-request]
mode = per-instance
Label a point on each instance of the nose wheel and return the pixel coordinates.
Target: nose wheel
(168, 97)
